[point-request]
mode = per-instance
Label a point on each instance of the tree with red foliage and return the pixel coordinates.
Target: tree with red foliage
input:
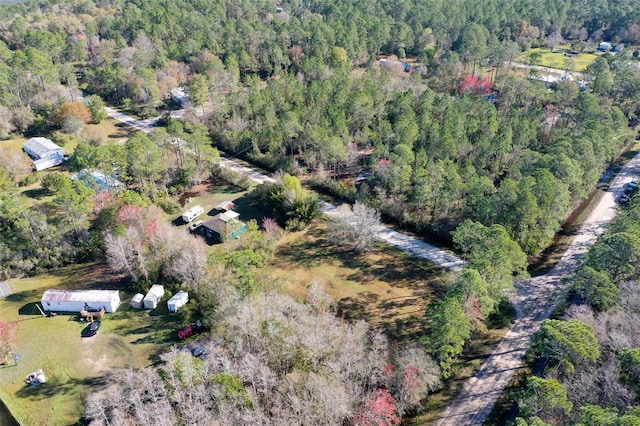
(8, 342)
(380, 410)
(479, 86)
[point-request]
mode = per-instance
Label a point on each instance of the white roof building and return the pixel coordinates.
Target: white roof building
(44, 152)
(77, 300)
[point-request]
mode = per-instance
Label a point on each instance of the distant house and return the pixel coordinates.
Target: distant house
(619, 48)
(604, 46)
(179, 96)
(77, 300)
(44, 152)
(98, 180)
(223, 224)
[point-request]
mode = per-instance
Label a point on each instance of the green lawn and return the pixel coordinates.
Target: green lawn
(74, 365)
(558, 59)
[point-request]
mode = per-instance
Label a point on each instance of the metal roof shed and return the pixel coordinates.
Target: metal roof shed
(136, 301)
(77, 300)
(177, 301)
(153, 297)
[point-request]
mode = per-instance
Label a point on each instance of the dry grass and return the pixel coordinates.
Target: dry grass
(386, 288)
(74, 365)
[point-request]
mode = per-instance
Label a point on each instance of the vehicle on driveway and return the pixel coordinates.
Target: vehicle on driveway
(190, 330)
(93, 328)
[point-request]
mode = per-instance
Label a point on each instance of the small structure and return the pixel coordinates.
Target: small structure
(177, 301)
(136, 301)
(192, 213)
(619, 48)
(225, 206)
(44, 152)
(153, 297)
(78, 300)
(604, 46)
(98, 180)
(224, 224)
(179, 96)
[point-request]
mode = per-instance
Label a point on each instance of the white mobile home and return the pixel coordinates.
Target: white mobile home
(192, 213)
(153, 297)
(136, 301)
(77, 300)
(177, 301)
(44, 152)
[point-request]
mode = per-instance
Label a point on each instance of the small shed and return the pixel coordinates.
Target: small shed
(225, 206)
(136, 301)
(177, 301)
(77, 300)
(153, 297)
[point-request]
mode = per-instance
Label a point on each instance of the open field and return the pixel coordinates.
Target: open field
(385, 287)
(72, 364)
(558, 59)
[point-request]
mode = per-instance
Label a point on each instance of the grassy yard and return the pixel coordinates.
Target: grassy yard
(558, 59)
(74, 365)
(385, 287)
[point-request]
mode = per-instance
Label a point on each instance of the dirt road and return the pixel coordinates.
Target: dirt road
(535, 300)
(406, 243)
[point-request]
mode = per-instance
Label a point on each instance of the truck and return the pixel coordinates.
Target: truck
(192, 213)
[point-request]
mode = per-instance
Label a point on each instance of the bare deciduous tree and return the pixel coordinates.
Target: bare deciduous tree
(355, 226)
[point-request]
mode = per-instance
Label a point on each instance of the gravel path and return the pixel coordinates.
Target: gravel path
(534, 302)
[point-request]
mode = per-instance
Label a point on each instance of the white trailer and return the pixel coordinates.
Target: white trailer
(177, 301)
(192, 213)
(153, 297)
(77, 300)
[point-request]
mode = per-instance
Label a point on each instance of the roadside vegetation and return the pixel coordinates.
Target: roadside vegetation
(411, 112)
(586, 357)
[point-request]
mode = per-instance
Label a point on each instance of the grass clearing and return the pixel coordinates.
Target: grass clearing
(72, 364)
(559, 58)
(384, 287)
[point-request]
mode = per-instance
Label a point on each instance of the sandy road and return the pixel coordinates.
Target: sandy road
(534, 302)
(404, 242)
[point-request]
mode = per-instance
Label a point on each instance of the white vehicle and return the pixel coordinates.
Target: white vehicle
(192, 213)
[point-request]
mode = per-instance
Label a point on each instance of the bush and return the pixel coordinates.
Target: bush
(29, 179)
(170, 206)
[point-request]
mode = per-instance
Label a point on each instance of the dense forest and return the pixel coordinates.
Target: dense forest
(419, 102)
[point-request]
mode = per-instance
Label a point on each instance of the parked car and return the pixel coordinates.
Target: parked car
(190, 330)
(94, 327)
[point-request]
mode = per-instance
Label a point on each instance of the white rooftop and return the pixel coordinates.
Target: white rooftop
(40, 145)
(88, 296)
(228, 215)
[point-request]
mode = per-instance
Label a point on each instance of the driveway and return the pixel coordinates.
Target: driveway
(534, 302)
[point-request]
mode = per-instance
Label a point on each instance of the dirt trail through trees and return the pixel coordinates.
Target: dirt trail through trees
(534, 302)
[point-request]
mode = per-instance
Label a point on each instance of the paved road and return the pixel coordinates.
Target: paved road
(393, 238)
(534, 302)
